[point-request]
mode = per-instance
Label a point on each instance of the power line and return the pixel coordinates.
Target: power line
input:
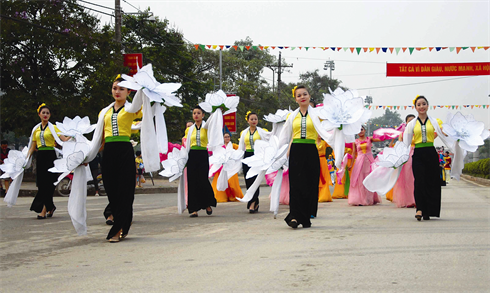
(106, 7)
(132, 6)
(407, 84)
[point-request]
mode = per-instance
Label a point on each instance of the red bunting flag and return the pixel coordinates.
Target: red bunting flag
(196, 46)
(377, 50)
(352, 50)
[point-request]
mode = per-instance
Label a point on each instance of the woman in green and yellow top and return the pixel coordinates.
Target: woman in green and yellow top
(200, 195)
(301, 130)
(247, 142)
(118, 171)
(44, 141)
(425, 160)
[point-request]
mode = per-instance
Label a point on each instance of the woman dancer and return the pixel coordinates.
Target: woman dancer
(403, 189)
(324, 194)
(425, 160)
(118, 167)
(233, 191)
(200, 193)
(301, 130)
(44, 141)
(247, 140)
(358, 194)
(341, 189)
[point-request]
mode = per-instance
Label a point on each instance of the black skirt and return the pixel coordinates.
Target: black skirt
(118, 174)
(427, 183)
(200, 193)
(45, 181)
(250, 181)
(304, 177)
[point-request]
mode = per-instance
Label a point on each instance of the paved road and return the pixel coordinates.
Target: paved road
(348, 249)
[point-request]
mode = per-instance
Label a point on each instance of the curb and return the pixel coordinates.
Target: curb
(478, 180)
(32, 193)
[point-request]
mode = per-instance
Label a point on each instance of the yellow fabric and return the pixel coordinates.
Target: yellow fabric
(203, 137)
(235, 146)
(389, 195)
(124, 122)
(256, 137)
(363, 147)
(417, 131)
(48, 137)
(138, 160)
(310, 128)
(325, 181)
(234, 190)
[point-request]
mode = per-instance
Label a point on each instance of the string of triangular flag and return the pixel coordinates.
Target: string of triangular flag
(357, 50)
(451, 107)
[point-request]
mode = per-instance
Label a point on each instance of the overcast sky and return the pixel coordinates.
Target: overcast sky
(350, 24)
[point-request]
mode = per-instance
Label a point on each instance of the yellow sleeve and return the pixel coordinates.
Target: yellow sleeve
(439, 121)
(56, 129)
(265, 130)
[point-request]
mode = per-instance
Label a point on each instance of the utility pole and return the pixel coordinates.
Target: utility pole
(329, 64)
(220, 69)
(279, 67)
(118, 22)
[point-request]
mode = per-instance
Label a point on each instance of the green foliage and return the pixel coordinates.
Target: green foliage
(484, 150)
(479, 168)
(53, 52)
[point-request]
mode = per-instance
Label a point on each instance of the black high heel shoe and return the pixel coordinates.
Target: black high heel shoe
(210, 212)
(293, 224)
(418, 217)
(41, 217)
(50, 213)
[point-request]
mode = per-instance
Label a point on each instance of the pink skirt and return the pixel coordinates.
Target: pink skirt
(403, 190)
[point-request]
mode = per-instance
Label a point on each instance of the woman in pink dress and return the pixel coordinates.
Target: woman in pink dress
(403, 190)
(358, 194)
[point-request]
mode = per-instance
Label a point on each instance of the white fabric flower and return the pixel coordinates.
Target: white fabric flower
(344, 110)
(465, 129)
(228, 158)
(219, 99)
(344, 113)
(14, 164)
(77, 125)
(279, 116)
(383, 178)
(268, 156)
(394, 157)
(74, 153)
(155, 91)
(174, 164)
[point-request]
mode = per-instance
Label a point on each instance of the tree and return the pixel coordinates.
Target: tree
(52, 52)
(173, 60)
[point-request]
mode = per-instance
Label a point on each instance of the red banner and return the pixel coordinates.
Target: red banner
(230, 119)
(437, 69)
(132, 61)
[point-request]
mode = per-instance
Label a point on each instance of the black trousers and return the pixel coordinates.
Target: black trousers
(304, 177)
(427, 184)
(45, 180)
(200, 194)
(118, 174)
(250, 181)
